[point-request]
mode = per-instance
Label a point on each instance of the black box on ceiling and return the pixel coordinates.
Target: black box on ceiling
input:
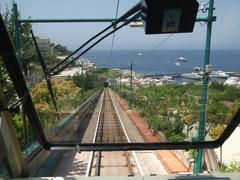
(169, 16)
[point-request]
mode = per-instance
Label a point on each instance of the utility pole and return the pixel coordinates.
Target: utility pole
(204, 92)
(82, 68)
(120, 82)
(131, 86)
(17, 33)
(17, 26)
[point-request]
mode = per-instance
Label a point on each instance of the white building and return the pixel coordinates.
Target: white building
(44, 44)
(230, 149)
(71, 72)
(61, 57)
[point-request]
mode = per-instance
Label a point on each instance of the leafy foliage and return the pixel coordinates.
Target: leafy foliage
(61, 50)
(9, 91)
(86, 82)
(27, 51)
(24, 138)
(170, 108)
(67, 97)
(216, 131)
(234, 167)
(68, 94)
(92, 80)
(216, 113)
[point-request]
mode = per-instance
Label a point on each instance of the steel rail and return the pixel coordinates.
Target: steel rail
(100, 130)
(128, 139)
(98, 137)
(90, 161)
(129, 165)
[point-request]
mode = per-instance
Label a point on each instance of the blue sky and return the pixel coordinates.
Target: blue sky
(225, 30)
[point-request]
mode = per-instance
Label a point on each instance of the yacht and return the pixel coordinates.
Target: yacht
(192, 75)
(232, 81)
(181, 59)
(219, 74)
(167, 79)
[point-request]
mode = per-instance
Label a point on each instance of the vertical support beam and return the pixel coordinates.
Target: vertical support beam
(15, 73)
(131, 86)
(17, 48)
(24, 126)
(204, 92)
(221, 163)
(17, 33)
(14, 155)
(82, 68)
(120, 82)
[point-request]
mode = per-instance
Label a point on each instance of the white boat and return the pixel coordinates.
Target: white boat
(177, 63)
(167, 77)
(232, 81)
(219, 74)
(192, 75)
(197, 69)
(181, 59)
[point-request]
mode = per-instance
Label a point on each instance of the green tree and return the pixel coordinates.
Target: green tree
(67, 96)
(216, 131)
(85, 82)
(234, 167)
(232, 110)
(189, 112)
(9, 91)
(216, 113)
(27, 51)
(61, 50)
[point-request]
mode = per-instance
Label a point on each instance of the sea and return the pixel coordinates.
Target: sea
(149, 62)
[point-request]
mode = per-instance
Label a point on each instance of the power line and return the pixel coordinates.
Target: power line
(113, 37)
(162, 42)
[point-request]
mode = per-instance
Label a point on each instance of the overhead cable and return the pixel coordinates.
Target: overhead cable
(90, 47)
(162, 42)
(44, 68)
(130, 12)
(113, 37)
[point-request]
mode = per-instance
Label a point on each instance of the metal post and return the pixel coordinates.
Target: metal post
(17, 33)
(120, 82)
(15, 73)
(88, 20)
(17, 48)
(7, 131)
(221, 164)
(130, 104)
(82, 68)
(204, 92)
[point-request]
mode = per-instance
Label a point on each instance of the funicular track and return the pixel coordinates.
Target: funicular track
(109, 129)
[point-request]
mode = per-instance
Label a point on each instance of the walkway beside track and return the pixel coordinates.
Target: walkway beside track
(169, 159)
(73, 163)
